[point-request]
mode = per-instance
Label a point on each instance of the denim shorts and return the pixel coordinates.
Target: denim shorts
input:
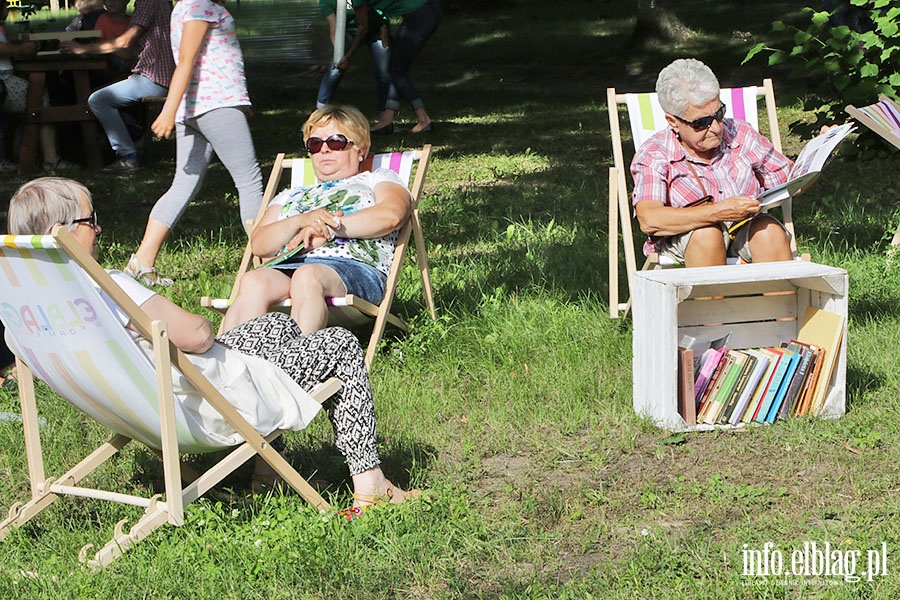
(360, 279)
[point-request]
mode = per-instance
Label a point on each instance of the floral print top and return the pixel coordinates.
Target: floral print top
(348, 195)
(218, 79)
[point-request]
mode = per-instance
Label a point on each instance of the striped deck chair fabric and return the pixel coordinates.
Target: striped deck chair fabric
(63, 331)
(645, 118)
(883, 118)
(350, 311)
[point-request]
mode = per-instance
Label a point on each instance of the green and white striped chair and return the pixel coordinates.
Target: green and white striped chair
(64, 333)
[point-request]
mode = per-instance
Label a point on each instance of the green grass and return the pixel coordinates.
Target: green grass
(513, 409)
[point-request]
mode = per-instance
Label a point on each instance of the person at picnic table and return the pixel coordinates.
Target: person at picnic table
(701, 176)
(344, 227)
(148, 31)
(292, 362)
(206, 107)
(15, 98)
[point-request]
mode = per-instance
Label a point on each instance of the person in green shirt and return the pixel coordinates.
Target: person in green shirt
(365, 26)
(420, 19)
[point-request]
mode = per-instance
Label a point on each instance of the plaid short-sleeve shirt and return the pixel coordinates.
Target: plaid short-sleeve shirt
(746, 164)
(155, 60)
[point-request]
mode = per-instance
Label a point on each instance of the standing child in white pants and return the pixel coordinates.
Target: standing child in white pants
(206, 105)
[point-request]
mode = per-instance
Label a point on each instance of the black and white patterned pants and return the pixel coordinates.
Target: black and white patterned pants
(310, 360)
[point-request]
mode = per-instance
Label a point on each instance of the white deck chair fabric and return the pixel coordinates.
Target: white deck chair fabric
(61, 326)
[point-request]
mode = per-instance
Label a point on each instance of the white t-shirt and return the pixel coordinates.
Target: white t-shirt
(261, 392)
(348, 195)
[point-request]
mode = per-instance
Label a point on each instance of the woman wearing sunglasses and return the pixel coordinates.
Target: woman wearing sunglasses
(206, 107)
(343, 228)
(696, 183)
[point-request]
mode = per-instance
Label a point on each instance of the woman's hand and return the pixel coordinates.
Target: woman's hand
(736, 208)
(320, 218)
(312, 238)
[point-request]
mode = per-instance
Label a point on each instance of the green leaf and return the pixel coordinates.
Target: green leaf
(753, 52)
(820, 18)
(888, 27)
(869, 70)
(801, 37)
(894, 80)
(841, 32)
(778, 26)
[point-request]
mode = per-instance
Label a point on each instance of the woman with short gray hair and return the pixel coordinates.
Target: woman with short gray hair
(696, 182)
(685, 81)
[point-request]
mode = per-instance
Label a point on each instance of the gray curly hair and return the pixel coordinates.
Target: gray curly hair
(684, 82)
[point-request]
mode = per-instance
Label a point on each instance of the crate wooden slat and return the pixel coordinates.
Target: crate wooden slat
(760, 304)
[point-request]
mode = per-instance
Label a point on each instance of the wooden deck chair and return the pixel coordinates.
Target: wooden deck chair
(646, 117)
(62, 331)
(350, 311)
(883, 118)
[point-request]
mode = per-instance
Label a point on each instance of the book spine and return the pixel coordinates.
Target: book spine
(772, 391)
(783, 388)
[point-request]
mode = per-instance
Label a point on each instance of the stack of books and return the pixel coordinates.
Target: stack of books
(727, 386)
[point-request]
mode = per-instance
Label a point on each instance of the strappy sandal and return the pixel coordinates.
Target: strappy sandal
(370, 501)
(146, 275)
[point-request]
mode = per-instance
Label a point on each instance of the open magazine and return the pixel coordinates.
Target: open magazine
(807, 166)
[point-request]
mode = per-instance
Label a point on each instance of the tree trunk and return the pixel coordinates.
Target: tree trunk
(656, 25)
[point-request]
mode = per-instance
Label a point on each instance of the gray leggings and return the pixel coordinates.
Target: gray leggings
(225, 131)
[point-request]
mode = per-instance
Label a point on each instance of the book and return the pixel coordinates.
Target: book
(687, 406)
(748, 367)
(825, 329)
(733, 369)
(283, 257)
(760, 392)
(777, 377)
(784, 385)
(806, 168)
(710, 360)
(715, 384)
(806, 356)
(753, 383)
(803, 402)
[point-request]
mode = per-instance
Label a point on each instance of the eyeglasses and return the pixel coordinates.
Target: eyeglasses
(335, 142)
(704, 123)
(91, 220)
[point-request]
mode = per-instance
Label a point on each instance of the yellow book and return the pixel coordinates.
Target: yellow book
(825, 329)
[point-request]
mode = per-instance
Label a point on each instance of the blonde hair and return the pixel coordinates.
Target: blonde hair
(42, 203)
(345, 117)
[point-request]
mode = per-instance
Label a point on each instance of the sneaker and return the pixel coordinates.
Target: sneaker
(142, 274)
(122, 165)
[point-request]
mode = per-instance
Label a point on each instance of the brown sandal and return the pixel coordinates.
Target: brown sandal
(369, 501)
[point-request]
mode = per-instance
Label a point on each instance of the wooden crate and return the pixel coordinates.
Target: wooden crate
(760, 304)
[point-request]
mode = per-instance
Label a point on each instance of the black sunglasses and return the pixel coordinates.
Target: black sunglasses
(335, 142)
(704, 123)
(91, 220)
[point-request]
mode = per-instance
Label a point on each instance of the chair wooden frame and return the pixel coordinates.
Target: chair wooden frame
(45, 490)
(620, 207)
(882, 117)
(351, 311)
